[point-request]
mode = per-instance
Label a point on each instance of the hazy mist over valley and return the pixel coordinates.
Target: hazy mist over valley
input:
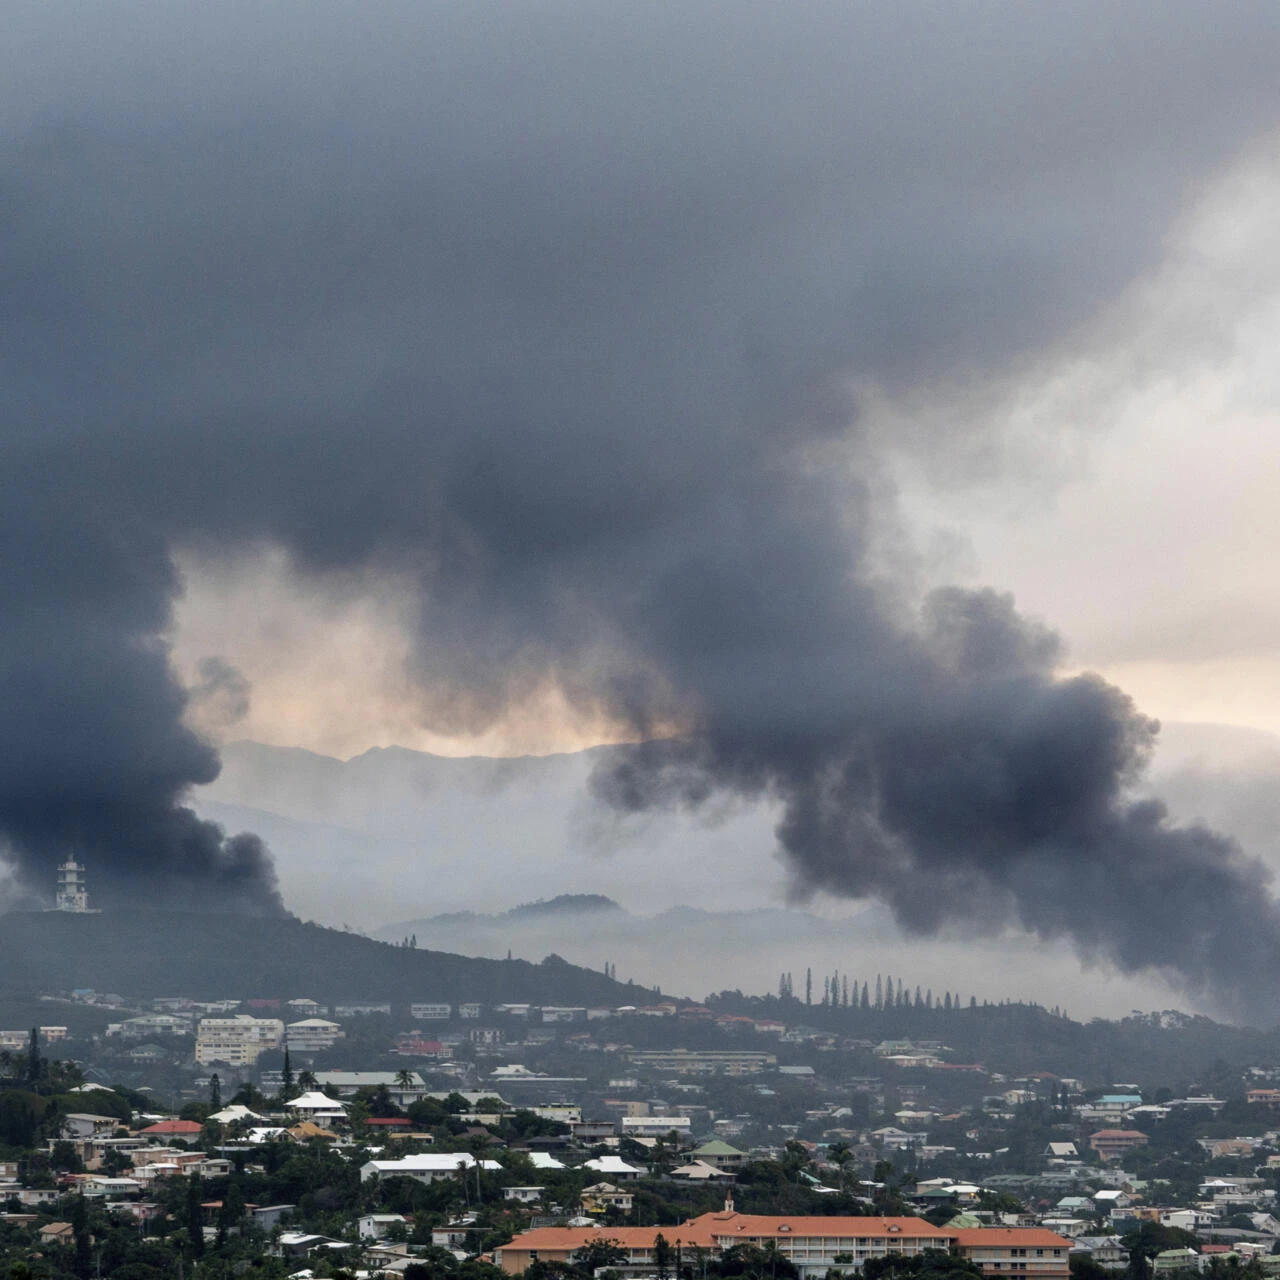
(393, 842)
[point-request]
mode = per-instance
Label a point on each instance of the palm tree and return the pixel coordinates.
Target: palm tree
(404, 1078)
(307, 1081)
(840, 1154)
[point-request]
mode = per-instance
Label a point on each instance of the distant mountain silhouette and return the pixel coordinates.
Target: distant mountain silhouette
(447, 846)
(564, 904)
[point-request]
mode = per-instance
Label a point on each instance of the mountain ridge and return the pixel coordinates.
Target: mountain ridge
(210, 956)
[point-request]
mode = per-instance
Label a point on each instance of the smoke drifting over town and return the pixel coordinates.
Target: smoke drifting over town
(554, 311)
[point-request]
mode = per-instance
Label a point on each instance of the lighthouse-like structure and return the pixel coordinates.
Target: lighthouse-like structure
(73, 895)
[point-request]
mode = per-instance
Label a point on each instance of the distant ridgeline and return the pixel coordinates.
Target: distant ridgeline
(210, 956)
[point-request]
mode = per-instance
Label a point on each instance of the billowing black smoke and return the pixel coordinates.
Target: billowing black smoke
(555, 309)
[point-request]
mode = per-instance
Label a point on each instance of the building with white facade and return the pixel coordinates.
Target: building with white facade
(72, 895)
(425, 1168)
(236, 1041)
(312, 1034)
(431, 1012)
(150, 1025)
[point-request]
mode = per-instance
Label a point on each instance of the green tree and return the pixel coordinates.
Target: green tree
(64, 1157)
(80, 1235)
(599, 1253)
(33, 1057)
(1084, 1267)
(840, 1153)
(232, 1211)
(215, 1093)
(195, 1217)
(662, 1257)
(931, 1264)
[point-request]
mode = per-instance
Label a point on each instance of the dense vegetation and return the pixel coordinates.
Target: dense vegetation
(211, 956)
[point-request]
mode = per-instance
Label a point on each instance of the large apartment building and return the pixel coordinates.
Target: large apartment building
(814, 1245)
(685, 1062)
(236, 1041)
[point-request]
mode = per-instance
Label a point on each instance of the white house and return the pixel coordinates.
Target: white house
(427, 1167)
(235, 1114)
(342, 1084)
(377, 1226)
(80, 1124)
(318, 1108)
(613, 1167)
(523, 1195)
(311, 1035)
(545, 1160)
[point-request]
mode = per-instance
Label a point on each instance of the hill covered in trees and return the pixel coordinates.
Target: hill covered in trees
(209, 956)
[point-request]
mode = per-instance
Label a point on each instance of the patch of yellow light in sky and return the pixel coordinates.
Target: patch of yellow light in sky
(329, 665)
(1244, 692)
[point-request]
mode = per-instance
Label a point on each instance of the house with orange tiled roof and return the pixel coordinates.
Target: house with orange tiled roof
(1026, 1253)
(812, 1244)
(171, 1129)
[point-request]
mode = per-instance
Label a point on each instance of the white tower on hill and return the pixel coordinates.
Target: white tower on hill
(72, 893)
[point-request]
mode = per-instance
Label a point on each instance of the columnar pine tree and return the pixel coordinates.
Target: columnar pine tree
(879, 992)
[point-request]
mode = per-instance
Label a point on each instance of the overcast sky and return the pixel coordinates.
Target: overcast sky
(862, 411)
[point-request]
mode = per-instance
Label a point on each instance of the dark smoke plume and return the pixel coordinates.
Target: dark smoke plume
(554, 308)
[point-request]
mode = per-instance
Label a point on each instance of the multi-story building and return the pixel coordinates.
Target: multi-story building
(236, 1041)
(150, 1025)
(431, 1012)
(1110, 1143)
(72, 894)
(698, 1062)
(404, 1087)
(814, 1245)
(655, 1126)
(304, 1007)
(1021, 1252)
(312, 1034)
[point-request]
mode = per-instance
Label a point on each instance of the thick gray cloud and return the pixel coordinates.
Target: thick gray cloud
(550, 307)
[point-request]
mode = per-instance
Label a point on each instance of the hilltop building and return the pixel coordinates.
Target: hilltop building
(73, 894)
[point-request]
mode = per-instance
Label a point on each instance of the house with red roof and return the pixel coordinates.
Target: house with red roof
(171, 1129)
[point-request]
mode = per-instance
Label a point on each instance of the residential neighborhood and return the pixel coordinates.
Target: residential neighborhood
(650, 1140)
